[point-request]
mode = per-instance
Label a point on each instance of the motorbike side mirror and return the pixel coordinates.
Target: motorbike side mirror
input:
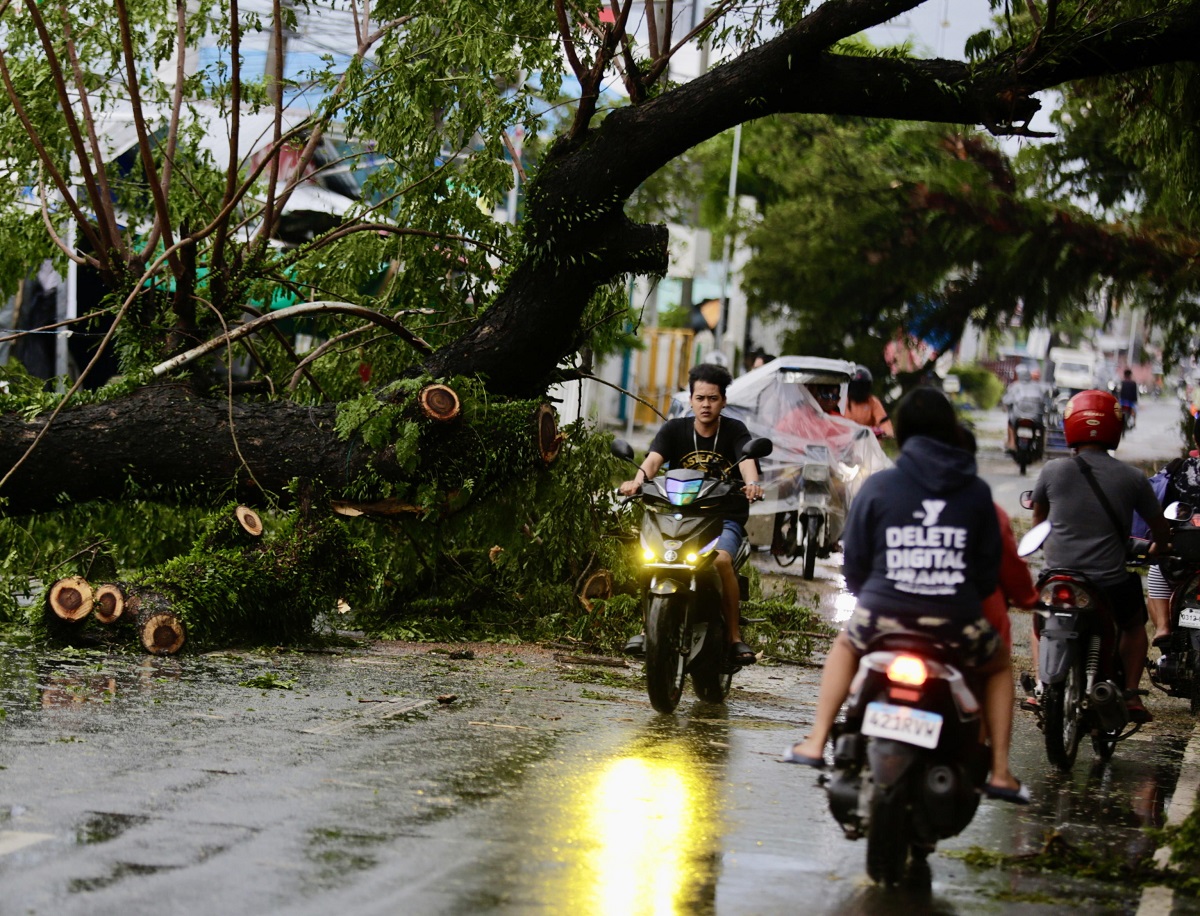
(1177, 511)
(758, 448)
(622, 449)
(1027, 499)
(1034, 538)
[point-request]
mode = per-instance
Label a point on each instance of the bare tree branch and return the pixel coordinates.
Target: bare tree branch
(106, 210)
(56, 176)
(162, 211)
(568, 40)
(90, 186)
(303, 308)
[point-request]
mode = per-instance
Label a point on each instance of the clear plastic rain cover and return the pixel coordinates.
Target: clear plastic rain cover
(825, 455)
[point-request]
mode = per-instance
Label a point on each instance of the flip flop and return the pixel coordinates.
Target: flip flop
(790, 756)
(1161, 642)
(1138, 714)
(742, 654)
(1018, 796)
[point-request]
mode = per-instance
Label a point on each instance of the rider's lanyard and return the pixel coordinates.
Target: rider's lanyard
(696, 444)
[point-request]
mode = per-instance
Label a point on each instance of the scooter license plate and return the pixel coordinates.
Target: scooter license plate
(1189, 617)
(1024, 432)
(902, 723)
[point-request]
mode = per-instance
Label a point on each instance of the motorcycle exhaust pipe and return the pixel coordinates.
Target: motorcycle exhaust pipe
(1108, 703)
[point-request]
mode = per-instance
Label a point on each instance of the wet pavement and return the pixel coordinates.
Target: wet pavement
(349, 781)
(165, 785)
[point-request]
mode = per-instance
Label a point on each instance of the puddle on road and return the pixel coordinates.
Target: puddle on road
(632, 828)
(101, 826)
(120, 871)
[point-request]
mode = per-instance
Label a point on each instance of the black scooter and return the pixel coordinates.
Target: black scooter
(908, 766)
(681, 590)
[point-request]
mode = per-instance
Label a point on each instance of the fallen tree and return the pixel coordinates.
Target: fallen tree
(415, 265)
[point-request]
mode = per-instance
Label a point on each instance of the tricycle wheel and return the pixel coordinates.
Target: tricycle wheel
(812, 529)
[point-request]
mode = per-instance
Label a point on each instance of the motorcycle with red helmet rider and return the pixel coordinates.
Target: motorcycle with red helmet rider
(1089, 629)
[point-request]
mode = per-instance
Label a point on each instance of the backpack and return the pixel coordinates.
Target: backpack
(1158, 483)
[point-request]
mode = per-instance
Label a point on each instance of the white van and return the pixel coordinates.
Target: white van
(1074, 370)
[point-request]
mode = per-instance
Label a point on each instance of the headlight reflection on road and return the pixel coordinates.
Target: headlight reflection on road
(648, 817)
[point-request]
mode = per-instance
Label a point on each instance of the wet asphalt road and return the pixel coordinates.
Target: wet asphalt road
(191, 785)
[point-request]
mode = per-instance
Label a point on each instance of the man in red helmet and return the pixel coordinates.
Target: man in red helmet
(1091, 538)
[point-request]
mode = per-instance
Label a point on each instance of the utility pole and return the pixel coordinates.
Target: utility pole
(727, 247)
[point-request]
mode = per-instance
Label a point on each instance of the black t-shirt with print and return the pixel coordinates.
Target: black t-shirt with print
(682, 447)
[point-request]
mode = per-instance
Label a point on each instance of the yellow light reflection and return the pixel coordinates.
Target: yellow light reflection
(647, 817)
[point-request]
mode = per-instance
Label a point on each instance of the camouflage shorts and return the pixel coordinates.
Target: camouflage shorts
(974, 641)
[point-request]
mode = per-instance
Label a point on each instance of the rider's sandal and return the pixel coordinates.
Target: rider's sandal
(742, 654)
(1018, 796)
(790, 756)
(1138, 714)
(1161, 642)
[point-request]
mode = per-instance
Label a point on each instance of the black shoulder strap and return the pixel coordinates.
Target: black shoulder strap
(1112, 515)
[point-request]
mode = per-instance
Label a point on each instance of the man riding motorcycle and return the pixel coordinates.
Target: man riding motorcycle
(1024, 397)
(1090, 537)
(712, 443)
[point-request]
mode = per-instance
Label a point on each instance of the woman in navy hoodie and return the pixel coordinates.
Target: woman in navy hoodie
(921, 551)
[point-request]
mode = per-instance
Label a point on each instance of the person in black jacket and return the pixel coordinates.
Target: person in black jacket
(921, 552)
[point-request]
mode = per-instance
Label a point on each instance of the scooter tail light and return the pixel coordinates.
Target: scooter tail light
(908, 670)
(1064, 594)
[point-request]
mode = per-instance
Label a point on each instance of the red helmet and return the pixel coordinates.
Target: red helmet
(1092, 417)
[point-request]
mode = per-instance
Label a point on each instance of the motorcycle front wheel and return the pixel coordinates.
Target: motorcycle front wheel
(1062, 705)
(665, 651)
(887, 848)
(812, 528)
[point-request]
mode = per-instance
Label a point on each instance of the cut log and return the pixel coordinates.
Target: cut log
(599, 585)
(234, 526)
(380, 508)
(71, 598)
(549, 439)
(439, 403)
(249, 520)
(108, 603)
(162, 632)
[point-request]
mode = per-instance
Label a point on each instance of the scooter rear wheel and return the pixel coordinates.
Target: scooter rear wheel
(887, 848)
(665, 647)
(1062, 706)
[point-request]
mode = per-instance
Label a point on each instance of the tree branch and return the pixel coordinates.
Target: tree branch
(162, 211)
(291, 311)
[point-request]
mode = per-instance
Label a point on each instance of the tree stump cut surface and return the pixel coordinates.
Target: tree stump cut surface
(71, 598)
(439, 403)
(108, 603)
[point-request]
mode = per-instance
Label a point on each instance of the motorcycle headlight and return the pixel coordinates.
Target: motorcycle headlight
(648, 555)
(816, 473)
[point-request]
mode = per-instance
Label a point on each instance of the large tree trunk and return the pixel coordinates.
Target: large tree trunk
(165, 436)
